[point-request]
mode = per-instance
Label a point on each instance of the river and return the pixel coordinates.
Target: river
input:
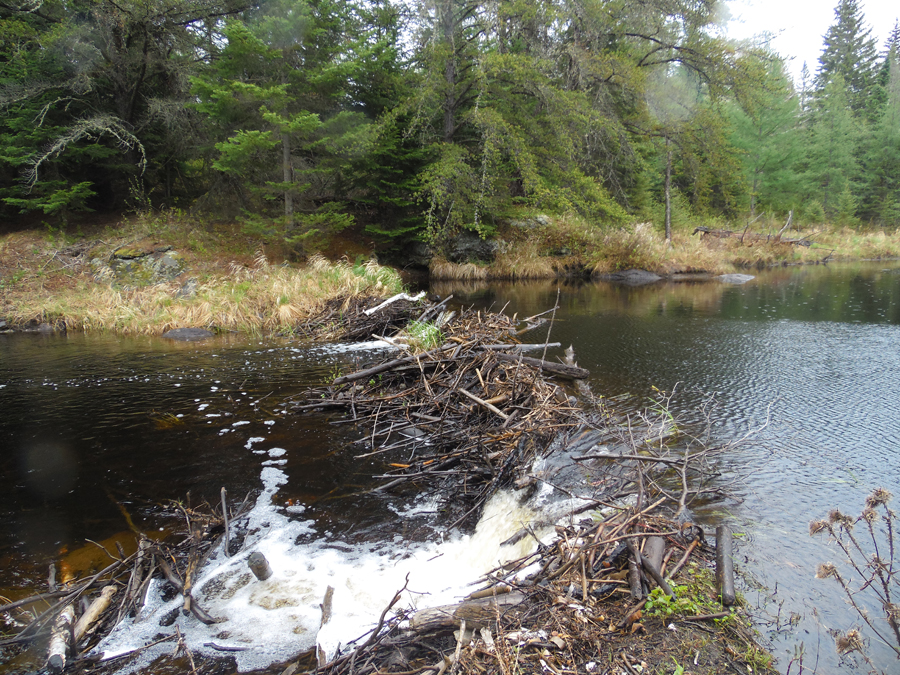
(97, 428)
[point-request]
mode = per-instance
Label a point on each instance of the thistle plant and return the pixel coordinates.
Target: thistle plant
(867, 543)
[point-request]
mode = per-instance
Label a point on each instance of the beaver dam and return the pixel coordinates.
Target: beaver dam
(560, 536)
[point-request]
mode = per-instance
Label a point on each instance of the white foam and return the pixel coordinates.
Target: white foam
(251, 441)
(240, 424)
(343, 347)
(276, 619)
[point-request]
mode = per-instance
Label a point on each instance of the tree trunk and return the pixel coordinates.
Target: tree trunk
(447, 26)
(286, 175)
(668, 191)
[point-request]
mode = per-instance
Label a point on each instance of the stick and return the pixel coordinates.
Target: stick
(389, 365)
(227, 531)
(657, 577)
(559, 369)
(321, 656)
(684, 558)
(494, 409)
(399, 296)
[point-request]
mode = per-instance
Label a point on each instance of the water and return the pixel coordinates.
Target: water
(811, 354)
(95, 428)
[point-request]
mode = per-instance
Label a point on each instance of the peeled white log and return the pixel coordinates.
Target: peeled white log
(399, 296)
(60, 639)
(97, 607)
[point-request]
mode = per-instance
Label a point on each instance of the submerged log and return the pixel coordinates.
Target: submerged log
(478, 613)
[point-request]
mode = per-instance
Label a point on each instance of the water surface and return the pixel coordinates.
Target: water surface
(98, 429)
(812, 354)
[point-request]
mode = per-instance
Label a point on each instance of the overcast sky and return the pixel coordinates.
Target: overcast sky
(800, 25)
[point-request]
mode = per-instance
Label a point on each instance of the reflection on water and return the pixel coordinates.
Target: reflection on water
(99, 429)
(817, 347)
(96, 429)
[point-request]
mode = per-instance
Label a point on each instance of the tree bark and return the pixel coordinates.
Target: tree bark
(668, 191)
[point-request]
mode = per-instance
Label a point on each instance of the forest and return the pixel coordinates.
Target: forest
(415, 120)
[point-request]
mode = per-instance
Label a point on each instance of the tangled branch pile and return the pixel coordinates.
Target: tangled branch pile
(582, 604)
(123, 587)
(464, 417)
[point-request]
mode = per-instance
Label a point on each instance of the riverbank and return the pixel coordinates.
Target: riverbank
(148, 275)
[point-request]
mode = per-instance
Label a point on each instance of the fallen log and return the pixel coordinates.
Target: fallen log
(388, 365)
(61, 639)
(558, 369)
(96, 608)
(399, 296)
(725, 565)
(480, 613)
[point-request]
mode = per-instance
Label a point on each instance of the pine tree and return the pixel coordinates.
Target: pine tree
(767, 130)
(830, 153)
(849, 53)
(880, 196)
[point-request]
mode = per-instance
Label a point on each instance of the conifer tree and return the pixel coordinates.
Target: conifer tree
(850, 54)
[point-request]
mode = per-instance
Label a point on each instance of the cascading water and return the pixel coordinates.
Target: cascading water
(264, 622)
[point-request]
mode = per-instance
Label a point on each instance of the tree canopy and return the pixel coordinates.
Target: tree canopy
(418, 119)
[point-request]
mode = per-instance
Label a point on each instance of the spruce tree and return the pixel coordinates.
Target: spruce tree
(850, 53)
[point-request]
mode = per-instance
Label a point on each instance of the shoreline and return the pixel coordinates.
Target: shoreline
(141, 277)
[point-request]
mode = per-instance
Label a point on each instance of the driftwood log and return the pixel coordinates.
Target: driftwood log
(725, 565)
(61, 639)
(477, 613)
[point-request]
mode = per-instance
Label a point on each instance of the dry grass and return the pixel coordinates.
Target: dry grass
(443, 269)
(246, 295)
(641, 247)
(854, 245)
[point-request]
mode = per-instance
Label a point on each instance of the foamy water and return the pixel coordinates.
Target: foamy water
(276, 619)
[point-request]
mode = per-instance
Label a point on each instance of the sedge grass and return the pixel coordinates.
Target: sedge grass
(256, 299)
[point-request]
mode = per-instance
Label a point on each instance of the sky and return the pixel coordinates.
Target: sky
(800, 25)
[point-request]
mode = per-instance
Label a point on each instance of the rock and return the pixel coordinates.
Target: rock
(632, 277)
(468, 246)
(735, 278)
(189, 289)
(135, 268)
(188, 334)
(2, 324)
(418, 254)
(531, 223)
(129, 253)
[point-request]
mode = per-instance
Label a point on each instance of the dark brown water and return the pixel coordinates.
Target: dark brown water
(94, 427)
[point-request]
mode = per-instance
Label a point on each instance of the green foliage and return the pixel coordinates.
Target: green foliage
(424, 335)
(58, 201)
(691, 599)
(317, 114)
